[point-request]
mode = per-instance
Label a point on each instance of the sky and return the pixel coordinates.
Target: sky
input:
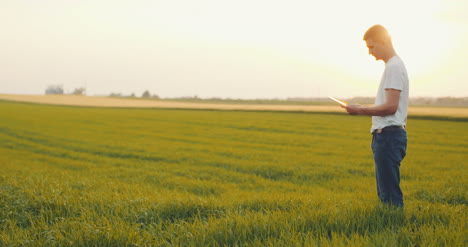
(230, 49)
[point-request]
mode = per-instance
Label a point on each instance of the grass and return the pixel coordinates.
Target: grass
(77, 176)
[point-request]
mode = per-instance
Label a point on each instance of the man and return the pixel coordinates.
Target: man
(389, 114)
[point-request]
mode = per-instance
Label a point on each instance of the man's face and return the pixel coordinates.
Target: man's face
(376, 49)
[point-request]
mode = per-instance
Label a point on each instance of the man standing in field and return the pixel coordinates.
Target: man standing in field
(389, 114)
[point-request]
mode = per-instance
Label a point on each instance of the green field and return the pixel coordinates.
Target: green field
(77, 176)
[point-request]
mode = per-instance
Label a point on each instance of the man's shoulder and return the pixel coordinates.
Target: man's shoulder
(395, 61)
(395, 64)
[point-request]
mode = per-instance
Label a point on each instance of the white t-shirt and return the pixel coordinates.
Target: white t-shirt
(394, 77)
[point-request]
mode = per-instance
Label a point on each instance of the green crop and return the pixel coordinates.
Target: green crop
(78, 176)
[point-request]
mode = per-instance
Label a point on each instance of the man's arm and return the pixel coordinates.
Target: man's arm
(388, 108)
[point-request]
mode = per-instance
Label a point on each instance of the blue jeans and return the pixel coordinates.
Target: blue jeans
(389, 148)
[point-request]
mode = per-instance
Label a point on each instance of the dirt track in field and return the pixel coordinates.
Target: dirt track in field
(73, 100)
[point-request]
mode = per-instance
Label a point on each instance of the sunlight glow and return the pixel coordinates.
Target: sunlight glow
(218, 48)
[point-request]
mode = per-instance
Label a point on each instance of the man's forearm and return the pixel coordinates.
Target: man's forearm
(381, 110)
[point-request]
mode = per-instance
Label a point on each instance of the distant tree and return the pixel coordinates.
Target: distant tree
(115, 95)
(146, 94)
(79, 91)
(155, 96)
(54, 89)
(132, 95)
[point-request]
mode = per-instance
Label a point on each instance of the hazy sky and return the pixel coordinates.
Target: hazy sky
(220, 48)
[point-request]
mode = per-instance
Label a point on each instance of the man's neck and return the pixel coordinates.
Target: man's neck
(391, 53)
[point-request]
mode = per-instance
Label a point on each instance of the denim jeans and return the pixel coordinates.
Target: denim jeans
(389, 148)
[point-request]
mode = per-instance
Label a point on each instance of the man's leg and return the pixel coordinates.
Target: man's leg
(376, 170)
(389, 149)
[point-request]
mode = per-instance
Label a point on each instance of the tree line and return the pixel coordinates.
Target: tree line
(58, 89)
(415, 101)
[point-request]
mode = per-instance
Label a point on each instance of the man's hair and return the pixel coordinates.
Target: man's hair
(378, 33)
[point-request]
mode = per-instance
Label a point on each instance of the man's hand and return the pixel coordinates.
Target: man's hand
(353, 109)
(388, 108)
